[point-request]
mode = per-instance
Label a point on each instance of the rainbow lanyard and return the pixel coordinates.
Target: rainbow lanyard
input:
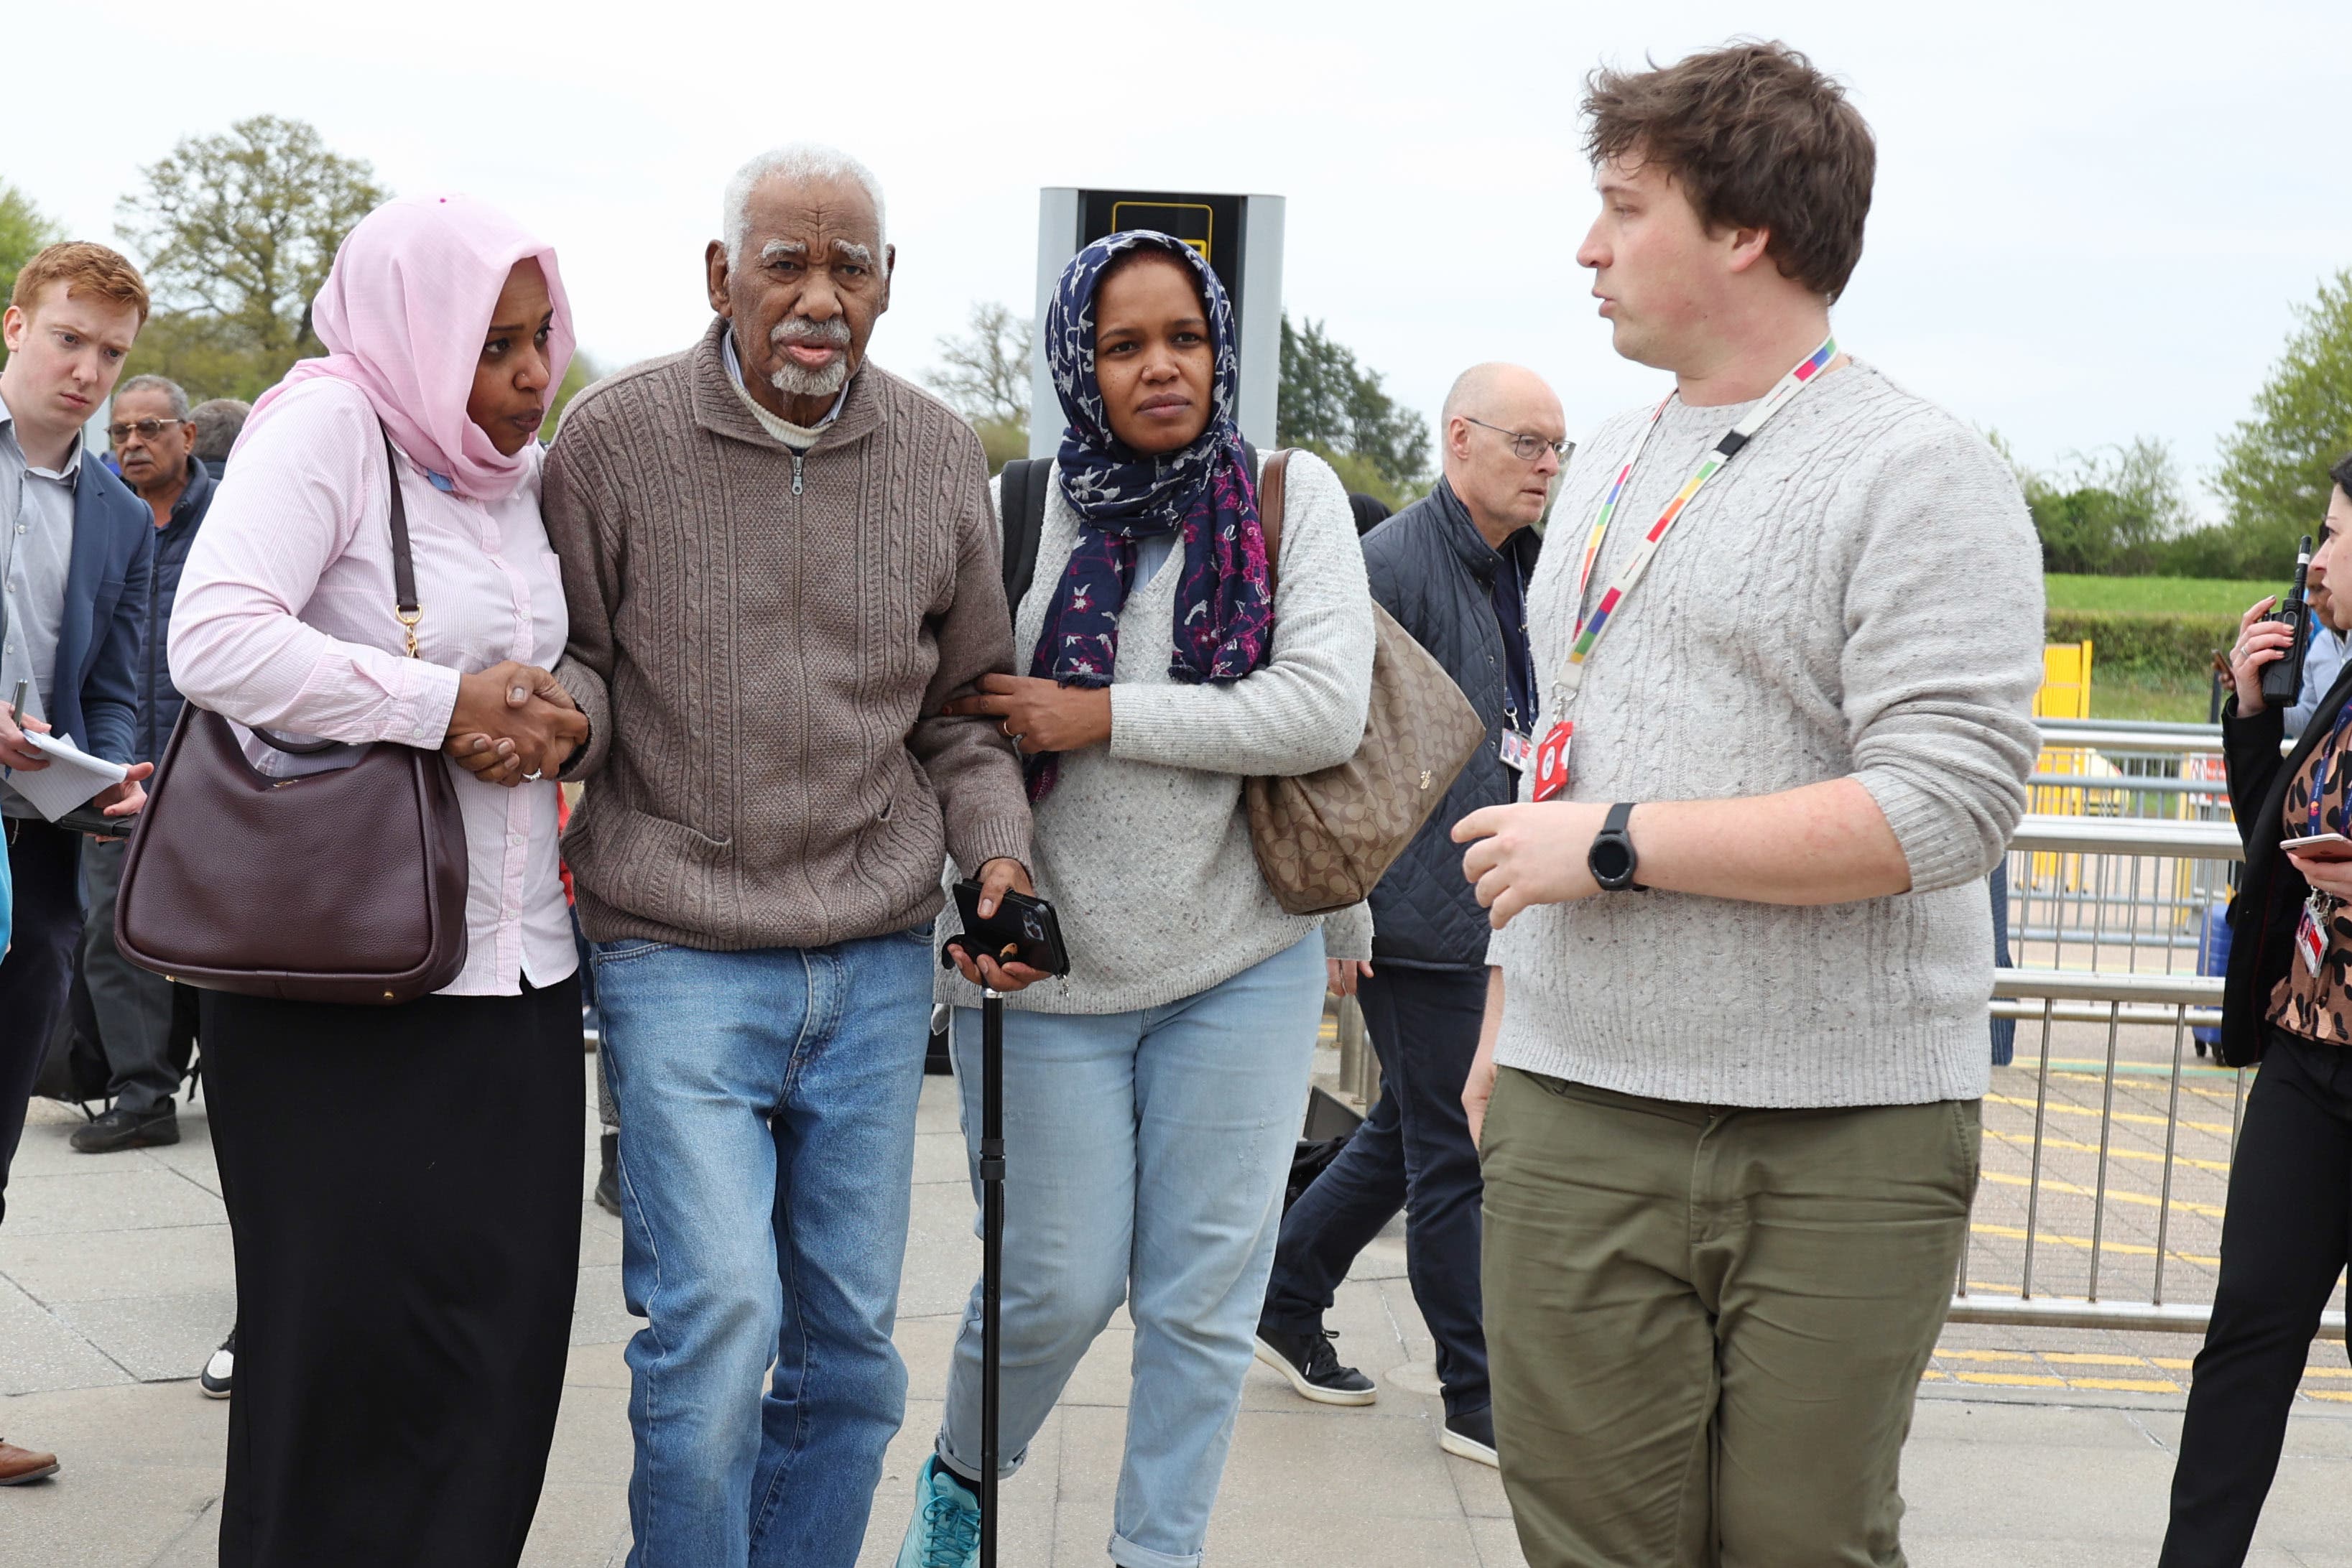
(1588, 631)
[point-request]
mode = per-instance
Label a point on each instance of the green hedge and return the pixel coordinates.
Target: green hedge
(2146, 644)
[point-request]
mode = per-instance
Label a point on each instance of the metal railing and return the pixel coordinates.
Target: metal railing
(2105, 767)
(2128, 894)
(2104, 1233)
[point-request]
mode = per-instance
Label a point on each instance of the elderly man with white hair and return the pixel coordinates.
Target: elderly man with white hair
(781, 565)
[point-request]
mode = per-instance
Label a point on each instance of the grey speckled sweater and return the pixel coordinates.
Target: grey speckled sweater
(1858, 593)
(1143, 848)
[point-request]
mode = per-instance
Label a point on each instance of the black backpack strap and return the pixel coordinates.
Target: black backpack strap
(1249, 457)
(1021, 507)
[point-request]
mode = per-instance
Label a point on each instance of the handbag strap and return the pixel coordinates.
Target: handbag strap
(1269, 512)
(403, 593)
(403, 570)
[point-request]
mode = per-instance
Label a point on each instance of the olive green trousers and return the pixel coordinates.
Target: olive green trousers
(1706, 1323)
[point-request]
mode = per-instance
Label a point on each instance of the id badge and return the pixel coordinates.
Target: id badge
(2309, 945)
(1551, 761)
(1517, 750)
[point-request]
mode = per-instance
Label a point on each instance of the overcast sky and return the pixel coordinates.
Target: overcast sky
(2092, 219)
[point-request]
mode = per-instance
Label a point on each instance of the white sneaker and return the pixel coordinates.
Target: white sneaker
(218, 1379)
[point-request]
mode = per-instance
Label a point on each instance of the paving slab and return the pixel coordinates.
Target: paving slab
(115, 1270)
(40, 1351)
(120, 1194)
(158, 1338)
(103, 1265)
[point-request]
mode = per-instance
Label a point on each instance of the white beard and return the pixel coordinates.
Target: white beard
(793, 381)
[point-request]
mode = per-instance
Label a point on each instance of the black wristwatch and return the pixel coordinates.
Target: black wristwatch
(1611, 859)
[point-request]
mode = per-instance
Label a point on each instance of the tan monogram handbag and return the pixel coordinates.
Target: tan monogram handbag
(1324, 839)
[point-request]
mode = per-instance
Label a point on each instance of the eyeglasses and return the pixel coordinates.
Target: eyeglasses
(1525, 448)
(148, 429)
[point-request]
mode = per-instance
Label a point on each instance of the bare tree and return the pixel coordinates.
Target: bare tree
(985, 370)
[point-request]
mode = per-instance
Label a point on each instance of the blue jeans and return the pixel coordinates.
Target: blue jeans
(1145, 1158)
(767, 1103)
(1413, 1152)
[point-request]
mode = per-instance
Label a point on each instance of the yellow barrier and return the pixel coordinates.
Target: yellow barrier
(2065, 682)
(2066, 694)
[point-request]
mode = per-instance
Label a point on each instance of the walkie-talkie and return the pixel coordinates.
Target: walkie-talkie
(2282, 677)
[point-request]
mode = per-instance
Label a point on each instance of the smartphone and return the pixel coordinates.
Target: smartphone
(90, 820)
(1024, 930)
(2321, 846)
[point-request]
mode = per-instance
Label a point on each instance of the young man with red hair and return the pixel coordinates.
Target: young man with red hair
(1789, 634)
(76, 549)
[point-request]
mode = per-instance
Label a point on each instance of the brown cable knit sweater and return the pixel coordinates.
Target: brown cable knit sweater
(762, 645)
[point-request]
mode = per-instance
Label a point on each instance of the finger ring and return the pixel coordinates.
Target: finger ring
(1004, 727)
(531, 777)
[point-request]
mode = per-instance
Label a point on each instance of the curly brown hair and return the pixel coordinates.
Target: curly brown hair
(1756, 138)
(86, 269)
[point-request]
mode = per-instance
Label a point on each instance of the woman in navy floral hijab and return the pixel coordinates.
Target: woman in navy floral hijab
(1203, 492)
(1154, 1089)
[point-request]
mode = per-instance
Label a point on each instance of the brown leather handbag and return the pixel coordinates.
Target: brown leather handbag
(342, 886)
(1324, 840)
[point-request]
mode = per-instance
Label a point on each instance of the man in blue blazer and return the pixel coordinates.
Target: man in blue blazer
(77, 552)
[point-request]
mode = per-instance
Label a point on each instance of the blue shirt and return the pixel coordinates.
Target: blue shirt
(2321, 662)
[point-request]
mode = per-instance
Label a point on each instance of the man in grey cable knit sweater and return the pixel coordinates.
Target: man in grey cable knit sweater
(1736, 1027)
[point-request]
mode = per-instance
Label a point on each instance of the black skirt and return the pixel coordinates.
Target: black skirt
(403, 1187)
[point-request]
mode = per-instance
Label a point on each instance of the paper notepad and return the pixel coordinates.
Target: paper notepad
(72, 777)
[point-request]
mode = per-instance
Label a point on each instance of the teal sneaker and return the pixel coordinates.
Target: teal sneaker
(945, 1531)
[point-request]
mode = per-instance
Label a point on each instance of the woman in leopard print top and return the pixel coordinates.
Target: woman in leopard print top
(2287, 1003)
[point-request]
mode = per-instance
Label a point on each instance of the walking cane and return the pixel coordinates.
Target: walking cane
(991, 1242)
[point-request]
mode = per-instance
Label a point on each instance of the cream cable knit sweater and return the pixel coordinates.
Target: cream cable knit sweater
(1858, 593)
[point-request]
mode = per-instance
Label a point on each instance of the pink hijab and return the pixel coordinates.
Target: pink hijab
(402, 315)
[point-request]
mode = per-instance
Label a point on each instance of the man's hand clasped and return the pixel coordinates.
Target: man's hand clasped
(1526, 855)
(514, 724)
(1039, 715)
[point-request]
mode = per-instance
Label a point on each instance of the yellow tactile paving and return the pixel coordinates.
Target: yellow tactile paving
(2125, 1248)
(2226, 1096)
(2058, 1108)
(2115, 1194)
(2063, 1369)
(2025, 1141)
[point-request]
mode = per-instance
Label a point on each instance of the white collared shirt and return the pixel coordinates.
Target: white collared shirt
(37, 525)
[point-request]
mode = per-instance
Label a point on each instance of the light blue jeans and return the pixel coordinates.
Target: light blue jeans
(767, 1103)
(1145, 1154)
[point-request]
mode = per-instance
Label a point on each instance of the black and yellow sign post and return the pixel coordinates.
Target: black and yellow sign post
(1240, 236)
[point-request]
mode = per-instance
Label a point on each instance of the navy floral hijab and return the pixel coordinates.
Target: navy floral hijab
(1203, 492)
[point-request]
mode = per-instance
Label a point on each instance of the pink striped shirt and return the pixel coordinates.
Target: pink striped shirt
(285, 618)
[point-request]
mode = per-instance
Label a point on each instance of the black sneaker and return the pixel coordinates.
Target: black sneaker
(119, 1129)
(1313, 1367)
(1471, 1435)
(218, 1379)
(608, 1179)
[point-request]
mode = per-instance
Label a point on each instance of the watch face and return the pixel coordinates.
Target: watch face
(1612, 861)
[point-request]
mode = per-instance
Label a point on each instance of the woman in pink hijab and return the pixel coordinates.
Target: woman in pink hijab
(403, 1183)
